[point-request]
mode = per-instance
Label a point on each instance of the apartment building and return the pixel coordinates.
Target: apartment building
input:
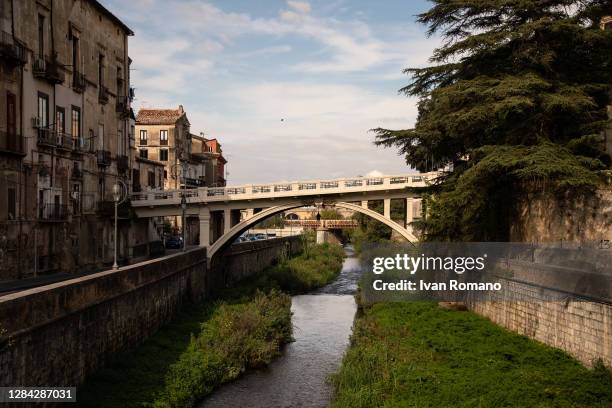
(216, 168)
(162, 136)
(64, 135)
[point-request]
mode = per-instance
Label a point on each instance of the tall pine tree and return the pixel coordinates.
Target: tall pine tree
(515, 101)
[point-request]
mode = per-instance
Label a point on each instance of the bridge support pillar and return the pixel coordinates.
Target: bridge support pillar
(227, 220)
(364, 204)
(204, 227)
(387, 208)
(249, 213)
(409, 213)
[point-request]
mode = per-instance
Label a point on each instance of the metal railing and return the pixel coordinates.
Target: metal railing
(103, 94)
(103, 157)
(11, 50)
(48, 69)
(53, 212)
(12, 143)
(122, 105)
(308, 188)
(78, 81)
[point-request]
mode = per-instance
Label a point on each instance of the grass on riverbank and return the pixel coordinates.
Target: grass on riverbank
(315, 267)
(419, 355)
(212, 343)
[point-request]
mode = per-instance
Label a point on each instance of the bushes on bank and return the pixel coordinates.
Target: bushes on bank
(315, 267)
(236, 337)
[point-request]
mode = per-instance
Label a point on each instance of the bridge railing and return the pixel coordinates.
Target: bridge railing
(297, 188)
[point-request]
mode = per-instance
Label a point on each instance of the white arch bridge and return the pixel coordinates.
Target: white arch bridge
(218, 209)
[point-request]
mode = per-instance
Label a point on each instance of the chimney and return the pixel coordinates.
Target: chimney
(181, 109)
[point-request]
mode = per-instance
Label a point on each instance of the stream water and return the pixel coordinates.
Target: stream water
(322, 322)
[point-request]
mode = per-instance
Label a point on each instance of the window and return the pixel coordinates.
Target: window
(100, 136)
(165, 174)
(11, 116)
(144, 153)
(163, 154)
(101, 70)
(143, 137)
(92, 140)
(43, 110)
(41, 35)
(120, 92)
(151, 179)
(163, 137)
(60, 120)
(12, 204)
(75, 53)
(120, 144)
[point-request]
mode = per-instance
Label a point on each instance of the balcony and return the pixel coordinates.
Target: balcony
(103, 94)
(53, 212)
(48, 69)
(122, 163)
(46, 137)
(12, 143)
(136, 188)
(103, 158)
(131, 94)
(193, 182)
(64, 141)
(122, 106)
(11, 51)
(78, 82)
(78, 145)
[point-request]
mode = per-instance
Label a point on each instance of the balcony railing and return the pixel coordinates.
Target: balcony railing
(103, 94)
(46, 137)
(11, 51)
(48, 69)
(64, 141)
(122, 163)
(53, 212)
(123, 105)
(78, 81)
(12, 143)
(103, 157)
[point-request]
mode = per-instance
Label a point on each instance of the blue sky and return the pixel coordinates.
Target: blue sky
(330, 69)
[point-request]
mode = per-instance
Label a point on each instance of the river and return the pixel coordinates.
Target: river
(322, 323)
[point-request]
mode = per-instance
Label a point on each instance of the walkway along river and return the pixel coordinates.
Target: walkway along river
(322, 323)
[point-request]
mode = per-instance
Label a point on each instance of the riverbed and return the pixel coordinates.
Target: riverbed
(322, 323)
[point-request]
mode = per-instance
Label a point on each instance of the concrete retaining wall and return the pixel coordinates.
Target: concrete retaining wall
(581, 328)
(59, 334)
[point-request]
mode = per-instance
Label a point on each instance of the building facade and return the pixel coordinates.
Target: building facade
(64, 135)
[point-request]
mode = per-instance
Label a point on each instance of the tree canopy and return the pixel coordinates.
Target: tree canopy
(515, 99)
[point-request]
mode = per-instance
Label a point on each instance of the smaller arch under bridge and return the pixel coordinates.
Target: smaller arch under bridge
(218, 210)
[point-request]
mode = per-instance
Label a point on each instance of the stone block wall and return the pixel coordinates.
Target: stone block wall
(245, 259)
(58, 334)
(581, 328)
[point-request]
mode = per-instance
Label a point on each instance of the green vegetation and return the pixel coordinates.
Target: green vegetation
(419, 355)
(316, 266)
(215, 342)
(515, 102)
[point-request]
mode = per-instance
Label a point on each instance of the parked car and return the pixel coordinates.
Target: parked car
(174, 243)
(259, 237)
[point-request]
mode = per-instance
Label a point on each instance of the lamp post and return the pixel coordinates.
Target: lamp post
(116, 198)
(183, 207)
(118, 188)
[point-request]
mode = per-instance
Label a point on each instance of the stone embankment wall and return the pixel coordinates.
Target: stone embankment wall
(543, 218)
(581, 328)
(242, 260)
(57, 335)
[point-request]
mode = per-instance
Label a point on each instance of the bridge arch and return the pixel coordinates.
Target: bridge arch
(244, 225)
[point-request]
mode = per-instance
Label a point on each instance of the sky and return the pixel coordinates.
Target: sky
(290, 88)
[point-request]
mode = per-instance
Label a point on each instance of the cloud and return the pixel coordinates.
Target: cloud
(299, 6)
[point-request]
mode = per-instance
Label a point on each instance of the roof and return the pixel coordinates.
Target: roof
(159, 116)
(111, 16)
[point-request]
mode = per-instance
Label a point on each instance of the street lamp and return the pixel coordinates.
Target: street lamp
(116, 198)
(184, 207)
